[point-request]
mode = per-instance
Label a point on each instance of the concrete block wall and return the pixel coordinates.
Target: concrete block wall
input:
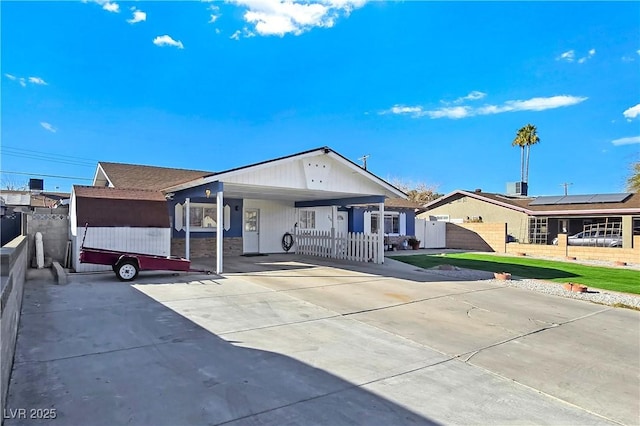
(206, 247)
(477, 236)
(54, 227)
(12, 276)
(607, 254)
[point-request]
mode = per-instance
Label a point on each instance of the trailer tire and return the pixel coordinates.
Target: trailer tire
(127, 270)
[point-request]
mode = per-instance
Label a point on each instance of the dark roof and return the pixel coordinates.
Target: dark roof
(117, 193)
(524, 203)
(148, 177)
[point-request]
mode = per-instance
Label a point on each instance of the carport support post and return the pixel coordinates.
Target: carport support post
(187, 229)
(380, 259)
(334, 250)
(219, 229)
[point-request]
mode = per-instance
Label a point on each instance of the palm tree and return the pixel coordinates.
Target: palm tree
(633, 182)
(526, 136)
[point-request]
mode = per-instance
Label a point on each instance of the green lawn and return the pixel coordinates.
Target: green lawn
(616, 279)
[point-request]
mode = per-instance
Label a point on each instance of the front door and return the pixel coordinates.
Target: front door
(251, 237)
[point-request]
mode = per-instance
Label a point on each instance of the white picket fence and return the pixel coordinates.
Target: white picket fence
(353, 246)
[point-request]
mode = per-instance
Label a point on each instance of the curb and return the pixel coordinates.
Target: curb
(59, 273)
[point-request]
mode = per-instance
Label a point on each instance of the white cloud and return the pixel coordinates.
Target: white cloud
(540, 104)
(632, 112)
(245, 33)
(450, 112)
(111, 7)
(463, 111)
(37, 80)
(48, 127)
(568, 56)
(472, 96)
(638, 51)
(213, 19)
(281, 17)
(23, 81)
(138, 16)
(590, 55)
(166, 40)
(626, 141)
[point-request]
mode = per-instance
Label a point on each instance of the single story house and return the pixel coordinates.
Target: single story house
(539, 220)
(254, 206)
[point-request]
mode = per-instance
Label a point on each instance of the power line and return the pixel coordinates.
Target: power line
(40, 174)
(47, 153)
(52, 158)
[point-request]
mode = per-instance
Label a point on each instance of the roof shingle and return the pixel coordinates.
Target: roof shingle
(148, 177)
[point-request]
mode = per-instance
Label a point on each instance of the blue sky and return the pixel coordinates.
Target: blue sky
(434, 92)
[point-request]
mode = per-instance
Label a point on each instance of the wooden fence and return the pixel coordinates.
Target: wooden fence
(358, 247)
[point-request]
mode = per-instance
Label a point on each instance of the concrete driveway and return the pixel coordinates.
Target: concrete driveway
(290, 340)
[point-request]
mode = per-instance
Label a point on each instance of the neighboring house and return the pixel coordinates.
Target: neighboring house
(539, 220)
(15, 204)
(130, 220)
(255, 205)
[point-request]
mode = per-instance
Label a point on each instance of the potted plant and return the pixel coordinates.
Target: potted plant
(504, 276)
(414, 243)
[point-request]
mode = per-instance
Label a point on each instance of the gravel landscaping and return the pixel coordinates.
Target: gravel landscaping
(604, 297)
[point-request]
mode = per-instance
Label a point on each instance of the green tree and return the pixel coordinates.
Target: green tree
(633, 182)
(526, 136)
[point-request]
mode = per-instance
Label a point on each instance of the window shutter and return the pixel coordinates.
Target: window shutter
(179, 210)
(403, 224)
(367, 222)
(227, 218)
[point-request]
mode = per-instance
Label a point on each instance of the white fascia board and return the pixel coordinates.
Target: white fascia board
(99, 169)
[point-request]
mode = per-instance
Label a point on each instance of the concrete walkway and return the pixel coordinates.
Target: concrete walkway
(289, 340)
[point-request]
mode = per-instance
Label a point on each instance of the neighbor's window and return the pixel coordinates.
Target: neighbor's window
(391, 223)
(307, 219)
(202, 217)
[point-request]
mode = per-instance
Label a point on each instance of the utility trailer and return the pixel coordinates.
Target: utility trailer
(127, 265)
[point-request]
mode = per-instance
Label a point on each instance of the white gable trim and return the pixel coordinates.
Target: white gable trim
(100, 170)
(322, 151)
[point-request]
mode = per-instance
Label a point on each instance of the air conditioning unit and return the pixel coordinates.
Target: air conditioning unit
(36, 184)
(517, 188)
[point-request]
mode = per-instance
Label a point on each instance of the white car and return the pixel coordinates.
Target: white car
(594, 239)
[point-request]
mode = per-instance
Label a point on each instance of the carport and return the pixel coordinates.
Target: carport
(257, 204)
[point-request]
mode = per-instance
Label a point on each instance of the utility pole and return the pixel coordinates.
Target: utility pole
(566, 187)
(364, 160)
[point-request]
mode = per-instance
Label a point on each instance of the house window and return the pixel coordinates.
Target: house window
(391, 223)
(307, 219)
(202, 217)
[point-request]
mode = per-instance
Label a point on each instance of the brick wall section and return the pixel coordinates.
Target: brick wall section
(206, 247)
(477, 236)
(607, 254)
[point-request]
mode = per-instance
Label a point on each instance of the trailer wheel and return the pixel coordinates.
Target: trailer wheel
(126, 270)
